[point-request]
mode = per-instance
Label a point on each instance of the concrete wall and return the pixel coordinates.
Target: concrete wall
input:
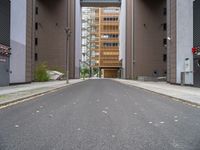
(72, 40)
(148, 38)
(184, 39)
(51, 47)
(129, 40)
(18, 41)
(122, 36)
(171, 43)
(78, 39)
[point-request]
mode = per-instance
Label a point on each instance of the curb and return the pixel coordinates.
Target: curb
(26, 98)
(194, 104)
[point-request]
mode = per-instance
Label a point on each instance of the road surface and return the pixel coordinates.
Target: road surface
(100, 115)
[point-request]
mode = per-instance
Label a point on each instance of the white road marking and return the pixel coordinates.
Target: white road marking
(175, 120)
(16, 126)
(79, 129)
(150, 122)
(37, 111)
(105, 112)
(162, 122)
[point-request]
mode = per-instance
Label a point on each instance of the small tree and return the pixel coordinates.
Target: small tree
(41, 74)
(84, 72)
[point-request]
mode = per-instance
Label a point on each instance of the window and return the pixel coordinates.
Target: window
(36, 10)
(36, 26)
(165, 11)
(164, 41)
(165, 26)
(36, 41)
(164, 57)
(36, 57)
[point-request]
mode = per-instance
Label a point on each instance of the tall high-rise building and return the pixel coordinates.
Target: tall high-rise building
(101, 31)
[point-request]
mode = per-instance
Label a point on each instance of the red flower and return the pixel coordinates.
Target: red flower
(194, 50)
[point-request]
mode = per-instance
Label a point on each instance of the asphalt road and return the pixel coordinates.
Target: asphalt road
(100, 115)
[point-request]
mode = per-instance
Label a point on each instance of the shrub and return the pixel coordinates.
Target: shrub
(84, 72)
(41, 74)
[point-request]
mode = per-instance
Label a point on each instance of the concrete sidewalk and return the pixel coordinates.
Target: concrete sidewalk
(184, 93)
(16, 93)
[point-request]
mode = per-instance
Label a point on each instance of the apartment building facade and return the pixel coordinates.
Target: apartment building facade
(4, 42)
(100, 40)
(106, 42)
(109, 42)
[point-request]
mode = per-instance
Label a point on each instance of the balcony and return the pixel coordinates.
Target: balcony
(100, 3)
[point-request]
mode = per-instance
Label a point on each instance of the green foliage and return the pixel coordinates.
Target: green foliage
(2, 96)
(41, 74)
(96, 71)
(85, 72)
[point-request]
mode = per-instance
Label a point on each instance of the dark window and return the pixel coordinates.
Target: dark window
(155, 72)
(164, 57)
(164, 41)
(36, 41)
(36, 57)
(165, 27)
(36, 26)
(36, 10)
(165, 11)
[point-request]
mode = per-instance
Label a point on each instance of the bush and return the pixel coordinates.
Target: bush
(84, 72)
(41, 74)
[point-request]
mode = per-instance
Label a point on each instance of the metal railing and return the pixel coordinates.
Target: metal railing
(100, 1)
